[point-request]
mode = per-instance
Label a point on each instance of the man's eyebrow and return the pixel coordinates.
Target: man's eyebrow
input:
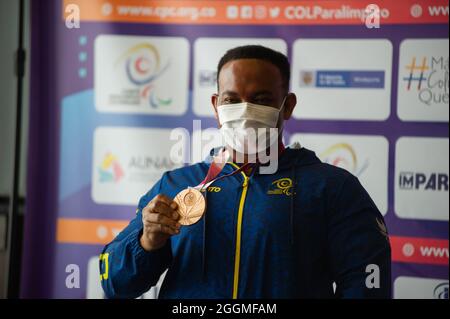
(229, 93)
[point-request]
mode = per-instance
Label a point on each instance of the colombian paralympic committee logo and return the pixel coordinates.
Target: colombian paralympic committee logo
(343, 155)
(143, 66)
(110, 169)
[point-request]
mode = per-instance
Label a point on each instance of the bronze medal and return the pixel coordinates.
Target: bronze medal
(191, 206)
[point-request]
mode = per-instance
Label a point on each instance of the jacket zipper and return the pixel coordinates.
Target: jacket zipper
(237, 257)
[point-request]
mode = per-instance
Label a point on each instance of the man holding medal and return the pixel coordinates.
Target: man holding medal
(231, 227)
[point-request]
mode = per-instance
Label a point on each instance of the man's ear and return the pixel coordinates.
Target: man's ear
(289, 105)
(214, 101)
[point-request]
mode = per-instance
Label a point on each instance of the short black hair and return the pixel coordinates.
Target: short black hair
(261, 53)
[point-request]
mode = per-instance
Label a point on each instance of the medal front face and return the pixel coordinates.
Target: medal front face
(191, 206)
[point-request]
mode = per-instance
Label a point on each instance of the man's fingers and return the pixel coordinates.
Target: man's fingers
(163, 198)
(162, 219)
(174, 205)
(171, 214)
(162, 208)
(163, 205)
(158, 204)
(160, 228)
(175, 215)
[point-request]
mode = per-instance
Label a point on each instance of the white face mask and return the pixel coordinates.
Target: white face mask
(249, 128)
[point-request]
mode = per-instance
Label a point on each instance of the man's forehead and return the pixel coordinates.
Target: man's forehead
(253, 74)
(249, 67)
(257, 92)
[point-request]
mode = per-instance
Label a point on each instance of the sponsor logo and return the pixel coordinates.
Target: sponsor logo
(207, 78)
(129, 169)
(416, 68)
(423, 80)
(342, 79)
(144, 162)
(140, 74)
(352, 84)
(282, 186)
(110, 169)
(423, 181)
(344, 156)
(428, 76)
(214, 189)
(143, 66)
(421, 178)
(207, 54)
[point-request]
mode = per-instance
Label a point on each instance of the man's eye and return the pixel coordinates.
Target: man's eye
(263, 101)
(230, 101)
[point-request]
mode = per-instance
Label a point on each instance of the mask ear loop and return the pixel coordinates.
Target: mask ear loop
(280, 112)
(282, 103)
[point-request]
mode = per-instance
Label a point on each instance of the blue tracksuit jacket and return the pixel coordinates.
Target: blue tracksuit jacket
(290, 234)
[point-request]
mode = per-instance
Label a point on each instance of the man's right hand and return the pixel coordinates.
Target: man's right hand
(160, 220)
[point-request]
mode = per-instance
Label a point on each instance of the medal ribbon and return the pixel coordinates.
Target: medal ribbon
(216, 167)
(218, 164)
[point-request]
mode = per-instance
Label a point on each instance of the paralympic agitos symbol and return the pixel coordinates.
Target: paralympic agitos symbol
(143, 67)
